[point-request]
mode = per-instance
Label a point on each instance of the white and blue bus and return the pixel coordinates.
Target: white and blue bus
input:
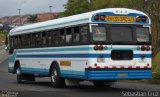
(102, 46)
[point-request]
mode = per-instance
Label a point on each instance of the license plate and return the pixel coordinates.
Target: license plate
(65, 63)
(122, 74)
(100, 59)
(119, 19)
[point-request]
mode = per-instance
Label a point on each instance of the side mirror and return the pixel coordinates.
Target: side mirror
(7, 48)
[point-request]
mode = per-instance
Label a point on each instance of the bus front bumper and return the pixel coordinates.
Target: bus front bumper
(118, 74)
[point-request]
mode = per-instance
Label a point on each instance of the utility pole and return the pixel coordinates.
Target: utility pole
(50, 7)
(20, 22)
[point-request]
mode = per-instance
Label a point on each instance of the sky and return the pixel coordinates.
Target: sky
(10, 7)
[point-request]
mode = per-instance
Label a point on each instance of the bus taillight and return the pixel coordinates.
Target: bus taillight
(100, 47)
(96, 17)
(141, 18)
(144, 18)
(96, 47)
(99, 17)
(148, 48)
(143, 48)
(102, 17)
(138, 19)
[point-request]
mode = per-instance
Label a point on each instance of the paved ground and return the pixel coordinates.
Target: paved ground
(43, 88)
(3, 53)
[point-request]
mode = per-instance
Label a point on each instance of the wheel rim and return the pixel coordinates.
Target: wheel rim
(18, 72)
(54, 75)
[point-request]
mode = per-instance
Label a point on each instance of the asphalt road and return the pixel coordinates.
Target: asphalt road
(43, 88)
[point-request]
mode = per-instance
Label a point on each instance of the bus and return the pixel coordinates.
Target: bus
(101, 46)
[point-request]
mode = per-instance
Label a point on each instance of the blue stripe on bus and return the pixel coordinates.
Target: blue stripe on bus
(113, 74)
(35, 70)
(71, 49)
(63, 55)
(82, 73)
(74, 56)
(58, 49)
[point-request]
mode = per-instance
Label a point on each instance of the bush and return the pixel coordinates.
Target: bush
(155, 79)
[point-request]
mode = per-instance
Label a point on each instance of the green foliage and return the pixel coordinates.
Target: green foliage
(155, 79)
(156, 63)
(76, 7)
(156, 70)
(33, 18)
(99, 4)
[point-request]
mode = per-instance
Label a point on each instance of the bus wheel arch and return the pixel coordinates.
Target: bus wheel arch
(16, 65)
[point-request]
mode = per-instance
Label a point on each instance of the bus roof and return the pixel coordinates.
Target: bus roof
(68, 21)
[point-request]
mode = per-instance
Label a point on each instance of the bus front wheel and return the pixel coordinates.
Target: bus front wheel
(56, 80)
(19, 75)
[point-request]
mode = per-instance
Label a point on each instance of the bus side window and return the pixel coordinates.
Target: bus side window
(68, 35)
(84, 33)
(19, 41)
(11, 42)
(29, 40)
(49, 38)
(55, 36)
(15, 42)
(25, 41)
(32, 40)
(43, 38)
(62, 36)
(38, 39)
(76, 34)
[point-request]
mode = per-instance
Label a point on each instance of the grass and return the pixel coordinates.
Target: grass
(156, 70)
(156, 63)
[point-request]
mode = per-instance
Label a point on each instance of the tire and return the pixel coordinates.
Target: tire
(99, 83)
(19, 75)
(56, 80)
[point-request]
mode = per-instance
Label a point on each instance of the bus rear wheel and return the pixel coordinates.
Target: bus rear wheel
(56, 80)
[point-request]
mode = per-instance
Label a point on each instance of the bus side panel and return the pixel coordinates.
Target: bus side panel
(35, 66)
(76, 68)
(12, 59)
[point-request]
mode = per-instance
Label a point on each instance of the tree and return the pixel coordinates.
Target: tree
(33, 18)
(76, 7)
